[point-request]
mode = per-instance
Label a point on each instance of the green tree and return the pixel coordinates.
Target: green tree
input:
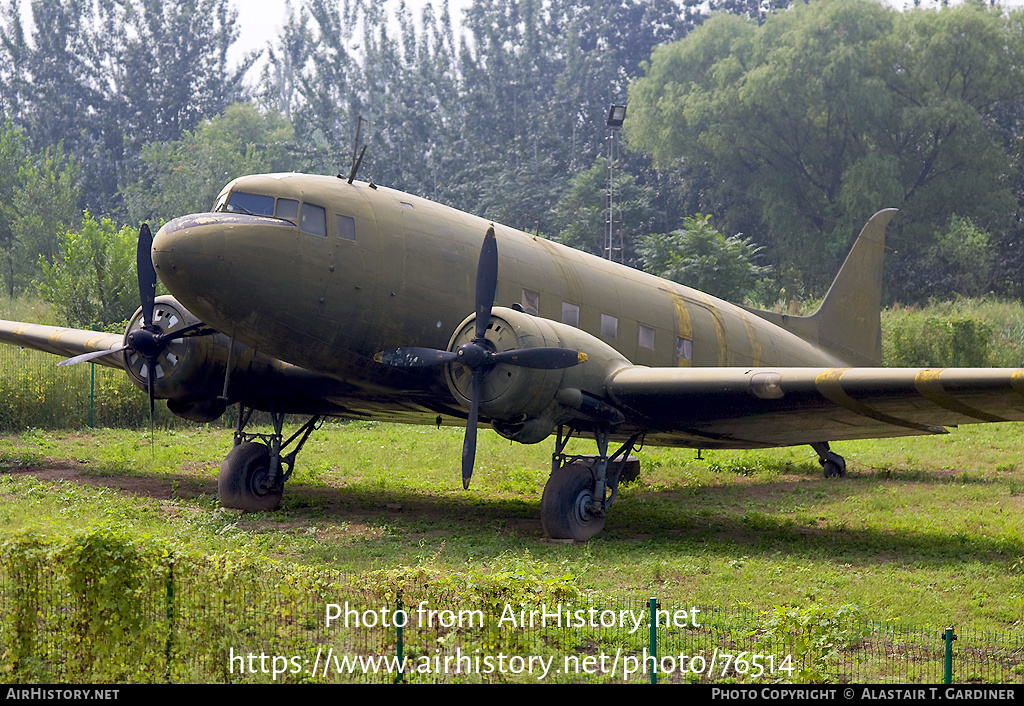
(185, 175)
(107, 76)
(581, 215)
(798, 129)
(92, 282)
(964, 258)
(12, 161)
(45, 204)
(700, 257)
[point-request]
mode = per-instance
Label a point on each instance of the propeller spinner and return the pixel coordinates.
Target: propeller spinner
(477, 355)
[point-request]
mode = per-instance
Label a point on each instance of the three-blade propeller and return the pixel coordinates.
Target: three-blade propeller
(150, 341)
(477, 355)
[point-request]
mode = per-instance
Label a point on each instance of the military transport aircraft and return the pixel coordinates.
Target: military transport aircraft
(323, 296)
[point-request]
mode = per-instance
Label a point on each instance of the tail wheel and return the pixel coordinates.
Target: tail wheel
(564, 507)
(244, 480)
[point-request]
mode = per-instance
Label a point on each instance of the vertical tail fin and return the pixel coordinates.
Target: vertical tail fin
(848, 322)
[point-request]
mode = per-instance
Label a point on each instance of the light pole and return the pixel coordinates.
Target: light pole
(613, 242)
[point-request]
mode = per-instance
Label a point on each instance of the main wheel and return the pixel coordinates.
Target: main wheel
(563, 506)
(244, 480)
(834, 466)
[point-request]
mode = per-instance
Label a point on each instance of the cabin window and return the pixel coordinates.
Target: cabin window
(288, 209)
(570, 314)
(609, 326)
(684, 348)
(346, 227)
(646, 337)
(252, 204)
(314, 220)
(531, 302)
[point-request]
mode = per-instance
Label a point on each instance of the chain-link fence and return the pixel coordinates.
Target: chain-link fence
(98, 607)
(35, 393)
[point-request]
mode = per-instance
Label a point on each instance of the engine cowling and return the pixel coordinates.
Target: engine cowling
(526, 404)
(190, 372)
(188, 369)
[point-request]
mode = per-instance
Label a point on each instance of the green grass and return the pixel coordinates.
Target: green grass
(927, 531)
(924, 531)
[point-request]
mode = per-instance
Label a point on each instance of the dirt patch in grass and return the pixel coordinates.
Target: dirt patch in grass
(332, 507)
(159, 487)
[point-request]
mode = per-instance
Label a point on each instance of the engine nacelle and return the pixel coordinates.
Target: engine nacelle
(190, 372)
(526, 404)
(189, 369)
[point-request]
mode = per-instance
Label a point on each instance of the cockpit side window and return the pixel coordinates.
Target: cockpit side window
(289, 209)
(252, 204)
(314, 220)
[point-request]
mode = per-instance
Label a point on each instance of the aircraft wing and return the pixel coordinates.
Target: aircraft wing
(65, 342)
(765, 407)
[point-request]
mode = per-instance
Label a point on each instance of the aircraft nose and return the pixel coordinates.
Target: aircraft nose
(210, 261)
(188, 250)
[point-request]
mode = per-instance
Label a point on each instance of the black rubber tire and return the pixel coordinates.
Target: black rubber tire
(242, 483)
(562, 507)
(834, 467)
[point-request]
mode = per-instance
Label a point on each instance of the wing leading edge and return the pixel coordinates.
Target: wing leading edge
(66, 342)
(764, 407)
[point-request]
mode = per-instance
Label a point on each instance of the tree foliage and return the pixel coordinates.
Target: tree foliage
(185, 175)
(581, 214)
(45, 204)
(700, 257)
(800, 128)
(92, 283)
(108, 76)
(792, 127)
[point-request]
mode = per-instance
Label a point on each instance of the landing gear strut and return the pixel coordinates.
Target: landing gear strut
(832, 464)
(582, 488)
(253, 474)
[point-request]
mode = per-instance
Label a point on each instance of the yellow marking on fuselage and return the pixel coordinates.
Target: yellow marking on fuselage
(720, 332)
(684, 327)
(756, 352)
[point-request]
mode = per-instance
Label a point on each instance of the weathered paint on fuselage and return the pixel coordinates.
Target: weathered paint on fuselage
(329, 303)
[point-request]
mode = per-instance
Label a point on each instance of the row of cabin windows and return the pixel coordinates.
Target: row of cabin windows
(309, 217)
(609, 325)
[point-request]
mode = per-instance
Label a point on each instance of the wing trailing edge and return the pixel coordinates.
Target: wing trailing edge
(752, 407)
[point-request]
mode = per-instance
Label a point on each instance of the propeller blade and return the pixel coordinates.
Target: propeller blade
(469, 442)
(412, 357)
(196, 329)
(89, 356)
(486, 283)
(540, 358)
(146, 273)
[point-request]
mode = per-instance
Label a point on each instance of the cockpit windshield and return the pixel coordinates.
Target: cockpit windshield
(252, 204)
(309, 217)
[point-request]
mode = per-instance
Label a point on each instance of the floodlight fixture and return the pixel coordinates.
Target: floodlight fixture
(616, 114)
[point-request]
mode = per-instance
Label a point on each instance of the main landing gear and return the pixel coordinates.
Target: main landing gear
(582, 488)
(253, 474)
(832, 464)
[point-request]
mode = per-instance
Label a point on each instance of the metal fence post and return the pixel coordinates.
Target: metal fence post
(949, 655)
(399, 625)
(170, 618)
(92, 395)
(653, 611)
